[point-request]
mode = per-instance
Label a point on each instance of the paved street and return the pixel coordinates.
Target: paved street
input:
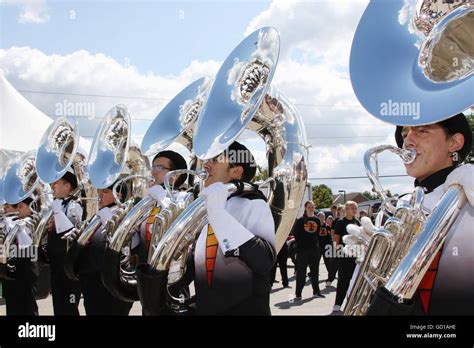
(282, 302)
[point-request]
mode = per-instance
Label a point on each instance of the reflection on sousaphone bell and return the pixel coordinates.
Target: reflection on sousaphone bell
(412, 62)
(57, 149)
(20, 178)
(110, 147)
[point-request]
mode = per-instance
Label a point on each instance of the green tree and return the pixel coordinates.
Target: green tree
(261, 175)
(375, 195)
(370, 196)
(322, 196)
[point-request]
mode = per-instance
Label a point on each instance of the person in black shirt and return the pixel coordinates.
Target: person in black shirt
(306, 230)
(346, 264)
(325, 246)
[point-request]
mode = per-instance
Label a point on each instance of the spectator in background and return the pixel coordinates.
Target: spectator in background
(328, 252)
(339, 214)
(346, 264)
(334, 210)
(306, 230)
(362, 213)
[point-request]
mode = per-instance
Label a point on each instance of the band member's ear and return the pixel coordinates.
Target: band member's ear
(236, 172)
(457, 142)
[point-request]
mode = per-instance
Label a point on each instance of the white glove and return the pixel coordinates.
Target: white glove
(464, 176)
(61, 221)
(158, 193)
(358, 239)
(23, 237)
(9, 224)
(230, 233)
(216, 197)
(57, 206)
(105, 214)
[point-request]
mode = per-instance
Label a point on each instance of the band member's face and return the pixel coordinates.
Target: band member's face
(309, 209)
(9, 208)
(161, 167)
(433, 149)
(61, 189)
(23, 210)
(106, 197)
(329, 222)
(219, 170)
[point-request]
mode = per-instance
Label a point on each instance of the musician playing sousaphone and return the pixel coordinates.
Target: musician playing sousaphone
(163, 162)
(232, 259)
(447, 287)
(22, 273)
(67, 212)
(416, 84)
(97, 300)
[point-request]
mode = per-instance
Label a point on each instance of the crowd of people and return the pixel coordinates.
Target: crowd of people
(318, 235)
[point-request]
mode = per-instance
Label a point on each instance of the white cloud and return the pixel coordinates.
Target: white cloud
(313, 73)
(31, 11)
(322, 30)
(94, 74)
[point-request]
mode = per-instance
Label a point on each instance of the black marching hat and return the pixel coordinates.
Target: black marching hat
(178, 162)
(240, 155)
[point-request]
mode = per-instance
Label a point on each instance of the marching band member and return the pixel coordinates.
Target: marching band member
(232, 258)
(97, 300)
(447, 287)
(163, 162)
(67, 212)
(18, 288)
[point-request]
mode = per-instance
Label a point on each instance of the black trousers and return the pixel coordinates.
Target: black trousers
(66, 292)
(346, 269)
(19, 293)
(97, 300)
(329, 262)
(305, 258)
(282, 260)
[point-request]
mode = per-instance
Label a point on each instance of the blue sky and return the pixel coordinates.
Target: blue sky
(153, 49)
(162, 37)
